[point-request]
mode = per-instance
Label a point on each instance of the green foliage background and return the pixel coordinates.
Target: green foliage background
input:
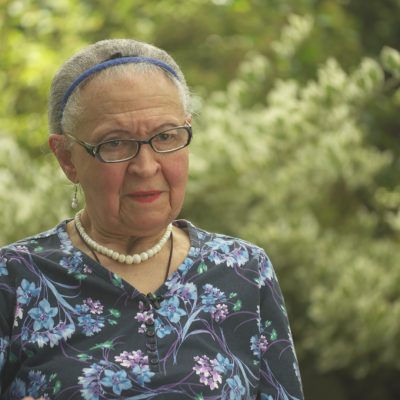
(297, 148)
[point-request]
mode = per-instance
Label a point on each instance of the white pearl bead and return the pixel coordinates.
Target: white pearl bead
(144, 256)
(136, 259)
(122, 258)
(150, 253)
(129, 260)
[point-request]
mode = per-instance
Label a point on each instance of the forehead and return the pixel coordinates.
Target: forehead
(137, 94)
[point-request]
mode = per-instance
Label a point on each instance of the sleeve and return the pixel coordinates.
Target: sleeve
(279, 370)
(7, 301)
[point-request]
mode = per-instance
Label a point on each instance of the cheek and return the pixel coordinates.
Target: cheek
(177, 174)
(101, 178)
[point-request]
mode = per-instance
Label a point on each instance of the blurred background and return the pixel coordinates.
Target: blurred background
(296, 148)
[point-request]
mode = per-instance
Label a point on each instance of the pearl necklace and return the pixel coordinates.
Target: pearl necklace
(122, 258)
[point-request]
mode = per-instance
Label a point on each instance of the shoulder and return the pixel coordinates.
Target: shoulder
(39, 244)
(221, 249)
(202, 237)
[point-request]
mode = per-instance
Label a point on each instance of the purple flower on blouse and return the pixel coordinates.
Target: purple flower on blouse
(139, 363)
(212, 296)
(258, 345)
(209, 375)
(220, 312)
(95, 307)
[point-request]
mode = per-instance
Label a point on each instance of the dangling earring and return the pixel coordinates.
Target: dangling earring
(74, 202)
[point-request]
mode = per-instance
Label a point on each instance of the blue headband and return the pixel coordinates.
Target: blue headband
(111, 63)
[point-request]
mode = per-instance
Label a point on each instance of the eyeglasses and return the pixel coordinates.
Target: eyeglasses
(119, 150)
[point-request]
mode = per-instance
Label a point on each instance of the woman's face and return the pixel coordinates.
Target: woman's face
(140, 196)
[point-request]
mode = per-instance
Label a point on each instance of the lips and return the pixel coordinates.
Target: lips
(147, 196)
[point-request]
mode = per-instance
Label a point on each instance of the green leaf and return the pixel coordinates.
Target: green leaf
(112, 322)
(84, 357)
(57, 387)
(114, 312)
(238, 305)
(202, 268)
(273, 335)
(52, 377)
(105, 345)
(117, 281)
(199, 396)
(232, 295)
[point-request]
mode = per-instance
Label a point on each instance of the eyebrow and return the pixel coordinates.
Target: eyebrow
(128, 135)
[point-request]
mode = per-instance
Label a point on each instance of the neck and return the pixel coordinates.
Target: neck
(117, 256)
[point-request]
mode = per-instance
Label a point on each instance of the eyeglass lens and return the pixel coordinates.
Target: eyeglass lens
(163, 142)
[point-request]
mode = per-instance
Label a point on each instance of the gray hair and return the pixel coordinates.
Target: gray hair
(60, 122)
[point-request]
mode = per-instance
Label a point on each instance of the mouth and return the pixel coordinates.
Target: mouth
(145, 196)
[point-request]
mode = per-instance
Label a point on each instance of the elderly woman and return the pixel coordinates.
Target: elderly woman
(124, 300)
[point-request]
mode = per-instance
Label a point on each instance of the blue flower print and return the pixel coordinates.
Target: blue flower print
(187, 292)
(185, 267)
(37, 383)
(3, 267)
(170, 309)
(90, 325)
(43, 315)
(212, 296)
(240, 257)
(236, 389)
(266, 397)
(161, 329)
(26, 291)
(3, 350)
(117, 380)
(18, 389)
(74, 265)
(258, 345)
(223, 364)
(143, 374)
(91, 387)
(266, 271)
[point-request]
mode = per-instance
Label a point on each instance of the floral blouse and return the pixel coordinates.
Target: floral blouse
(71, 329)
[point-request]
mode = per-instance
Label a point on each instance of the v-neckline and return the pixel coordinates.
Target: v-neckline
(105, 273)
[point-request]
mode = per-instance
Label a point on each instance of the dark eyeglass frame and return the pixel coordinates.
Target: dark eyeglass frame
(94, 149)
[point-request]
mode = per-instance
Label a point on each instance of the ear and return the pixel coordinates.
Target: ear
(59, 146)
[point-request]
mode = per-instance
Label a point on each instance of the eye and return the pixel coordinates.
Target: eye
(167, 137)
(112, 144)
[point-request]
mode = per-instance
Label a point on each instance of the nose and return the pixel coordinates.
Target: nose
(146, 163)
